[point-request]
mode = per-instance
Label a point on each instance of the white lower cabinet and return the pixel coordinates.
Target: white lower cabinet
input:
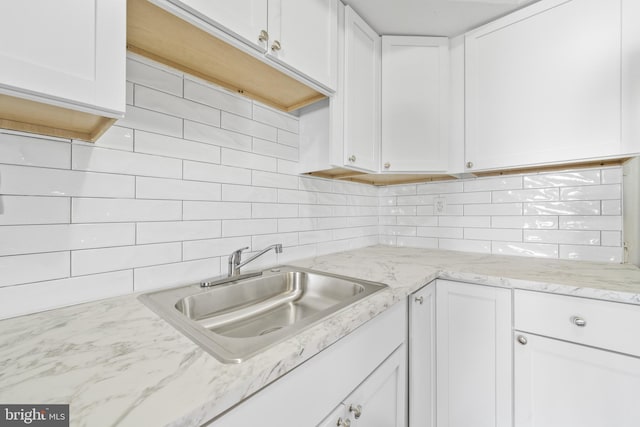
(363, 373)
(559, 382)
(474, 370)
(422, 357)
(379, 401)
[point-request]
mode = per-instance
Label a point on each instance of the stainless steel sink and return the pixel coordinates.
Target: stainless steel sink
(237, 320)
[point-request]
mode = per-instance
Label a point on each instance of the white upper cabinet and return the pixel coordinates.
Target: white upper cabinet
(303, 35)
(299, 34)
(244, 19)
(67, 53)
(543, 85)
(415, 100)
(361, 94)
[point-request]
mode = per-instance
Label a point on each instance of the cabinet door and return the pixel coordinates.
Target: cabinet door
(65, 52)
(543, 85)
(241, 18)
(422, 357)
(560, 384)
(362, 94)
(415, 92)
(303, 36)
(380, 401)
(473, 355)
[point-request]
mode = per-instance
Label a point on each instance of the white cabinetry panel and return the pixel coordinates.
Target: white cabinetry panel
(415, 95)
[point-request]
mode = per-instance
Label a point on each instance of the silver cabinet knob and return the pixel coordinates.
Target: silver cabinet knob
(469, 165)
(344, 423)
(522, 339)
(356, 411)
(579, 321)
(420, 300)
(387, 165)
(352, 158)
(276, 46)
(263, 37)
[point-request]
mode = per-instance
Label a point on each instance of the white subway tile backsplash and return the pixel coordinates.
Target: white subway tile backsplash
(309, 237)
(288, 167)
(467, 198)
(246, 193)
(562, 208)
(306, 211)
(529, 195)
(244, 227)
(198, 249)
(562, 179)
(19, 269)
(536, 250)
(296, 196)
(440, 188)
(502, 234)
(18, 210)
(591, 222)
(593, 192)
(162, 145)
(611, 176)
(91, 261)
(287, 240)
(28, 181)
(417, 242)
(315, 184)
(152, 121)
(397, 210)
(591, 253)
(562, 236)
(325, 199)
(215, 210)
(275, 118)
(180, 273)
(123, 162)
(144, 74)
(176, 106)
(274, 149)
(611, 238)
(489, 184)
(422, 221)
(275, 180)
(29, 239)
(176, 189)
(216, 173)
(286, 225)
(24, 299)
(218, 98)
(33, 151)
(611, 207)
(415, 200)
(124, 210)
(248, 160)
(444, 232)
(249, 127)
(129, 93)
(541, 222)
(464, 221)
(117, 138)
(398, 190)
(274, 210)
(288, 138)
(215, 136)
(465, 245)
(494, 209)
(176, 231)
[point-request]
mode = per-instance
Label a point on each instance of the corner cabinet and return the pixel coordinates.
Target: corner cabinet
(554, 82)
(361, 94)
(474, 369)
(64, 73)
(415, 103)
(576, 365)
(358, 381)
(301, 35)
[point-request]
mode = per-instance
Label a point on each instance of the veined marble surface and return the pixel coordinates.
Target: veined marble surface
(118, 364)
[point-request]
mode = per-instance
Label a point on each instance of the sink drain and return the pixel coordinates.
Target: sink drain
(268, 331)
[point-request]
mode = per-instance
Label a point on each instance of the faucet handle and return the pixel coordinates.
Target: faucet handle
(235, 255)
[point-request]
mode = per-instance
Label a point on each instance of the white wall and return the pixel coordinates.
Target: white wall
(192, 173)
(564, 215)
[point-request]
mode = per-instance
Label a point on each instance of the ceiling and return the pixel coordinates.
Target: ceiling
(431, 17)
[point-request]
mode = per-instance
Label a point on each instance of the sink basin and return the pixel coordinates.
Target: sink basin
(237, 320)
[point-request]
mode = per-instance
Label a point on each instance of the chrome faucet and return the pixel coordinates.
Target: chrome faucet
(235, 259)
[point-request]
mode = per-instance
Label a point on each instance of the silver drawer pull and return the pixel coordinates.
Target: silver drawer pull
(522, 339)
(579, 321)
(420, 300)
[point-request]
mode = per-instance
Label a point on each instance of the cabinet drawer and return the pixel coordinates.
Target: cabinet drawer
(586, 321)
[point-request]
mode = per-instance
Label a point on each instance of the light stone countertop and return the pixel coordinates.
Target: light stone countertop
(118, 363)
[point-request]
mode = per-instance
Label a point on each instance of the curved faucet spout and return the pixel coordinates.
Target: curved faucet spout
(234, 260)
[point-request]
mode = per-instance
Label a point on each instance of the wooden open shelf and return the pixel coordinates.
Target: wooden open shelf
(159, 35)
